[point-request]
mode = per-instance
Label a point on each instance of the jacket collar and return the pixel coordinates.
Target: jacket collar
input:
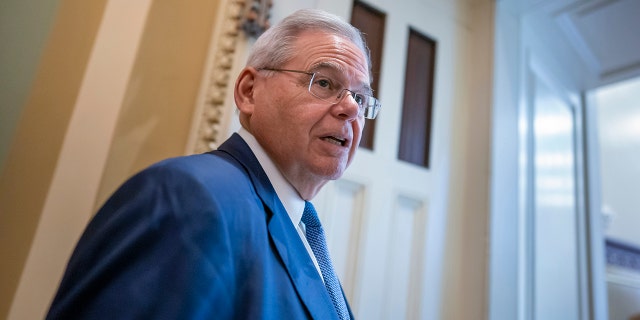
(299, 265)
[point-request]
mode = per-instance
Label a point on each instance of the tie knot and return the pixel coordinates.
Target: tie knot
(309, 216)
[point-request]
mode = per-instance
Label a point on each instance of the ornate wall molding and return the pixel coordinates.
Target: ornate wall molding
(218, 78)
(256, 17)
(238, 15)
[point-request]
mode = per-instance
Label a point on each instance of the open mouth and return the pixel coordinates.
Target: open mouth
(334, 140)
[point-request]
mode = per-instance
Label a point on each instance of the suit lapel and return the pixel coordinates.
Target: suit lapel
(294, 255)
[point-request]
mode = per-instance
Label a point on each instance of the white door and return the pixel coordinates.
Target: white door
(381, 215)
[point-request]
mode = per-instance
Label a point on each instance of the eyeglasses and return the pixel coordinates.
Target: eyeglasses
(329, 90)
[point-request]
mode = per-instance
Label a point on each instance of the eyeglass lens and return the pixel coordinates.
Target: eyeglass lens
(325, 88)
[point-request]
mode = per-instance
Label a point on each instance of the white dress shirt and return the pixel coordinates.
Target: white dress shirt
(288, 195)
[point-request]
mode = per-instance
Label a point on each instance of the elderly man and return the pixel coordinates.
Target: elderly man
(231, 234)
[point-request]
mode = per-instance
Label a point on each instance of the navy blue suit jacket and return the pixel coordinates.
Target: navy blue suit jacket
(195, 237)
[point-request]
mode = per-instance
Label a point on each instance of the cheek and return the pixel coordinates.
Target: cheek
(275, 112)
(358, 127)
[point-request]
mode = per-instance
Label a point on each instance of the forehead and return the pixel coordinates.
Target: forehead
(325, 52)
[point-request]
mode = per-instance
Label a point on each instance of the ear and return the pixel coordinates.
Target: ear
(244, 90)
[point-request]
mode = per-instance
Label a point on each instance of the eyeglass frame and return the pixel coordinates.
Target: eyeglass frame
(375, 108)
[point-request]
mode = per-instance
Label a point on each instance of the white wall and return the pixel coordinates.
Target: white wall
(618, 109)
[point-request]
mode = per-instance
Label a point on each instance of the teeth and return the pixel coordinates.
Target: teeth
(334, 140)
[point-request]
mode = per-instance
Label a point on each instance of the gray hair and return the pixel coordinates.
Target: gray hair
(276, 46)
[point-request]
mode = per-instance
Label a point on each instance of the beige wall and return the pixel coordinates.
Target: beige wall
(19, 58)
(156, 114)
(31, 161)
(115, 91)
(465, 262)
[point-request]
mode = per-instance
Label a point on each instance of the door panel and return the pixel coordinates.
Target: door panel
(387, 202)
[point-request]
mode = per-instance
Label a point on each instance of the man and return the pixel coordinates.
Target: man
(222, 235)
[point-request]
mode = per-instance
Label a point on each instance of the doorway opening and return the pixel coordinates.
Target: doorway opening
(617, 108)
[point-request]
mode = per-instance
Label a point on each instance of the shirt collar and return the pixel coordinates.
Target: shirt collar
(288, 195)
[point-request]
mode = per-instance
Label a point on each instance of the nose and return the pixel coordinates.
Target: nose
(347, 108)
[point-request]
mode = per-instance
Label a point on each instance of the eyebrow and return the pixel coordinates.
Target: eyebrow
(339, 69)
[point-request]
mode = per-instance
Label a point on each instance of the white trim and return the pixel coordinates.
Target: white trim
(623, 276)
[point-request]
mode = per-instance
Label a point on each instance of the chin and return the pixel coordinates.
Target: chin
(329, 171)
(332, 174)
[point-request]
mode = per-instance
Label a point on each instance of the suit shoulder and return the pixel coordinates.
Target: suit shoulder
(209, 173)
(204, 168)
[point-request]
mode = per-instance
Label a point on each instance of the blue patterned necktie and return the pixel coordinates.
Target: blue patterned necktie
(318, 244)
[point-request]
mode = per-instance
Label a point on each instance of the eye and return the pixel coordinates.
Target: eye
(321, 81)
(325, 83)
(324, 87)
(359, 99)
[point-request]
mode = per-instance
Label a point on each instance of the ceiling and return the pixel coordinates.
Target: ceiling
(605, 34)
